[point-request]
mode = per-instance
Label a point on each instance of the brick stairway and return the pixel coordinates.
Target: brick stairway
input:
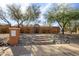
(42, 39)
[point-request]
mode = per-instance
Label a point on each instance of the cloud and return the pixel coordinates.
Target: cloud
(3, 3)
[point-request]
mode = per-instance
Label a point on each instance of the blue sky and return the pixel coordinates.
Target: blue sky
(75, 5)
(44, 8)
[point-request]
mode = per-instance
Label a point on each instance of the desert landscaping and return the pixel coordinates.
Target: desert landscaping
(30, 46)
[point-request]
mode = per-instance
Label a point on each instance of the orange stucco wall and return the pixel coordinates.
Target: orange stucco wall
(40, 30)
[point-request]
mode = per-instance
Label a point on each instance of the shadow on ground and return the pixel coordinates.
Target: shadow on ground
(21, 51)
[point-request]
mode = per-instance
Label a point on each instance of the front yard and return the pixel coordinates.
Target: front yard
(26, 48)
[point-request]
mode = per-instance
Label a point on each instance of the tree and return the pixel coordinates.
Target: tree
(33, 12)
(16, 14)
(4, 17)
(59, 13)
(74, 15)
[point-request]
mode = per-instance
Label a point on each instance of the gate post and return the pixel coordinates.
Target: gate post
(14, 36)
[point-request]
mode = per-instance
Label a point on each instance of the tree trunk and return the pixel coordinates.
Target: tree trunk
(18, 24)
(62, 30)
(70, 31)
(9, 25)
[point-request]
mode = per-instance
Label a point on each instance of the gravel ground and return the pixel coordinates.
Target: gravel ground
(42, 50)
(23, 49)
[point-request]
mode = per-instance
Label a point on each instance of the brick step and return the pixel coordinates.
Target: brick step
(41, 38)
(42, 42)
